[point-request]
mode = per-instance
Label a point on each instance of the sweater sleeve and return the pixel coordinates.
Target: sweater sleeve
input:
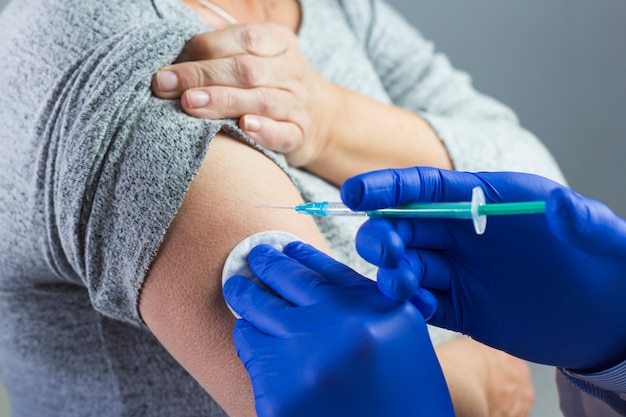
(479, 133)
(118, 165)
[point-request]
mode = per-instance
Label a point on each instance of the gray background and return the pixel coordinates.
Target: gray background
(561, 66)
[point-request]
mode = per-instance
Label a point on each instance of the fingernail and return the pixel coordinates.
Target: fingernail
(167, 80)
(252, 124)
(197, 99)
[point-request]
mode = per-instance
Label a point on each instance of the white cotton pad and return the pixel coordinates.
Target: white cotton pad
(237, 261)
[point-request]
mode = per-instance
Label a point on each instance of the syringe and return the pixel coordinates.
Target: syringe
(476, 209)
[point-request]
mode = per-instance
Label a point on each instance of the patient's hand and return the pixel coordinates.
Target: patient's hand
(484, 381)
(257, 73)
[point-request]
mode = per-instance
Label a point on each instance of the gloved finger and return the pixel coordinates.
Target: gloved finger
(432, 269)
(378, 243)
(437, 269)
(399, 283)
(394, 187)
(426, 233)
(382, 242)
(246, 339)
(402, 284)
(255, 350)
(323, 264)
(585, 223)
(288, 277)
(272, 133)
(425, 302)
(447, 314)
(380, 189)
(265, 311)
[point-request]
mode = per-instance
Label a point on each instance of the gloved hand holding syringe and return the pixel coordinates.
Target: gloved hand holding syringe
(476, 209)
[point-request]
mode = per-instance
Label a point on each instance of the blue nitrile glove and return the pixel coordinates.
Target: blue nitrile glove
(547, 288)
(330, 344)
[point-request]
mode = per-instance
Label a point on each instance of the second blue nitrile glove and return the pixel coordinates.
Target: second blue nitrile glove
(548, 288)
(328, 343)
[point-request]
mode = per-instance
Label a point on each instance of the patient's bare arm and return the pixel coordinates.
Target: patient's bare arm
(181, 300)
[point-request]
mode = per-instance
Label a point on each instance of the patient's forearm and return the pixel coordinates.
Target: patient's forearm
(484, 382)
(369, 135)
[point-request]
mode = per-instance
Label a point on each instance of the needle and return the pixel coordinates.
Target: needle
(476, 209)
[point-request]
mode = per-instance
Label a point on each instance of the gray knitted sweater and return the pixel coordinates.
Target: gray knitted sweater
(93, 169)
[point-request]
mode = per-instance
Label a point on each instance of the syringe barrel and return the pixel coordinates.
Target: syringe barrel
(428, 210)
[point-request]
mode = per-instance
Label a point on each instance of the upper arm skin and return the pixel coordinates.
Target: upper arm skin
(181, 299)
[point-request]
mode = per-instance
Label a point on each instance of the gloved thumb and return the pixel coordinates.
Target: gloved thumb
(584, 223)
(380, 189)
